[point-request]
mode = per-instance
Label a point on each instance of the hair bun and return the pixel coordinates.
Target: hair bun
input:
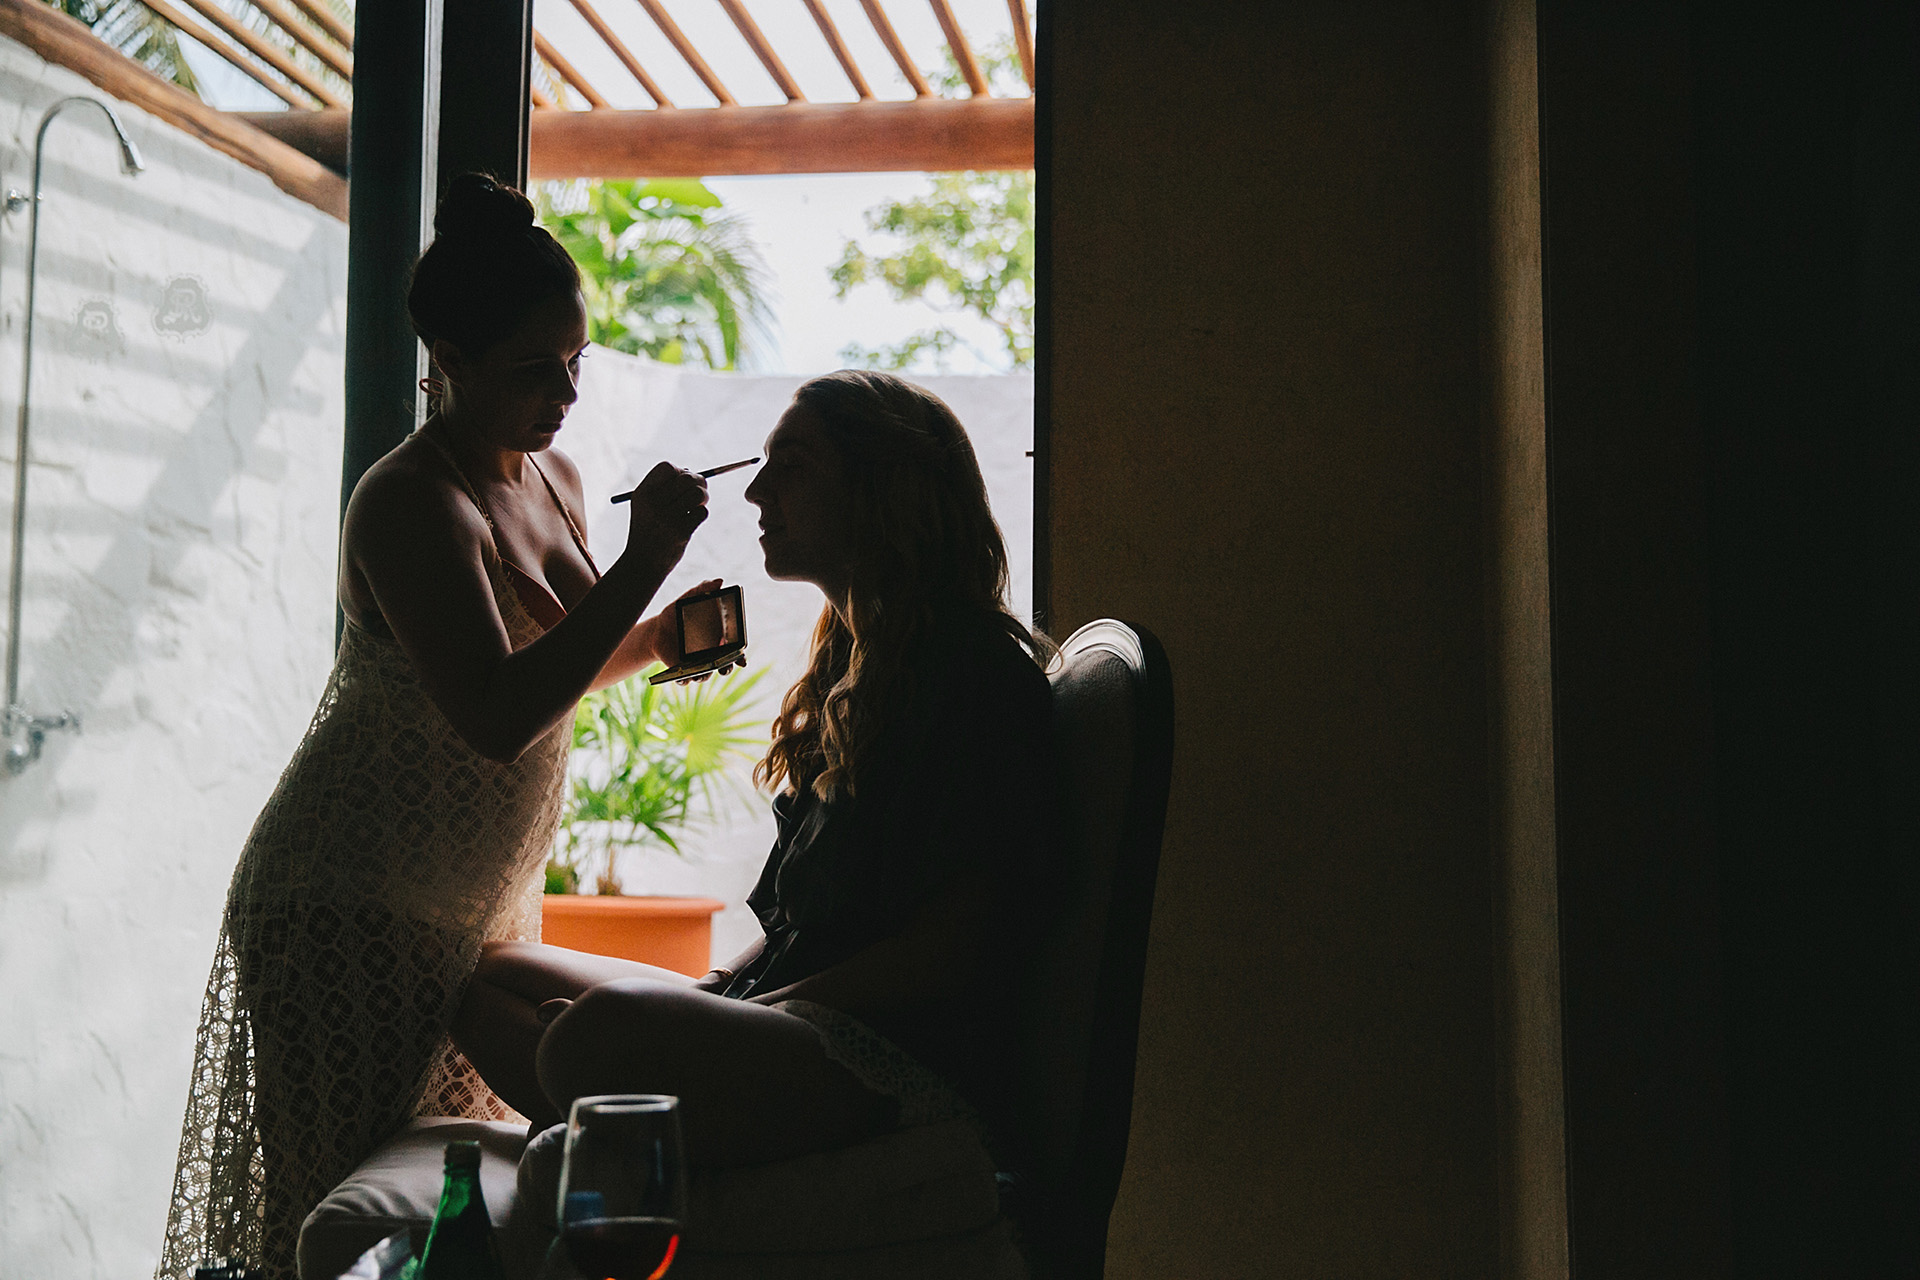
(478, 208)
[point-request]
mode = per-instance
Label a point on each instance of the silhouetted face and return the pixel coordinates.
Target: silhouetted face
(517, 393)
(803, 495)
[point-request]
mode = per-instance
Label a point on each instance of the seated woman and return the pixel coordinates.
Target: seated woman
(913, 768)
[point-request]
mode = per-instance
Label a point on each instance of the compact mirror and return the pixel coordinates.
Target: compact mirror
(713, 633)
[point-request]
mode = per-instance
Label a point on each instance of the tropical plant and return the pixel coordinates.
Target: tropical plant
(666, 273)
(136, 31)
(648, 760)
(966, 246)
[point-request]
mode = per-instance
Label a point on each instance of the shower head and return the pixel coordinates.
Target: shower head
(130, 161)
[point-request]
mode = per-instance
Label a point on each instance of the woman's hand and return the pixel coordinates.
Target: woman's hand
(659, 636)
(666, 508)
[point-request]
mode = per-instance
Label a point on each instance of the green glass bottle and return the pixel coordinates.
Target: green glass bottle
(460, 1246)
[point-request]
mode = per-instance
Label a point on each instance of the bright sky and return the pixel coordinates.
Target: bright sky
(800, 221)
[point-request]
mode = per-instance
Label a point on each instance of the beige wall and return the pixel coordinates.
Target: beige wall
(1267, 397)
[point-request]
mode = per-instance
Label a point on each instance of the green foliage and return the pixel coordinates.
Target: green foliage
(965, 247)
(648, 760)
(666, 273)
(136, 31)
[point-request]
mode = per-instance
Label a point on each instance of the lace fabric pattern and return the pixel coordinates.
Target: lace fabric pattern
(387, 854)
(922, 1094)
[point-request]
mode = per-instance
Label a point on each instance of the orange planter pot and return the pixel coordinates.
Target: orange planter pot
(674, 933)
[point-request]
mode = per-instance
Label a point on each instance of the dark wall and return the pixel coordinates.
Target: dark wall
(1267, 438)
(1807, 123)
(1264, 377)
(1645, 1130)
(1731, 200)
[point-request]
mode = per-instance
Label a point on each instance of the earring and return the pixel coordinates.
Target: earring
(433, 387)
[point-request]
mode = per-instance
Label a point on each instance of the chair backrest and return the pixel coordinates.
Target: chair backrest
(1113, 726)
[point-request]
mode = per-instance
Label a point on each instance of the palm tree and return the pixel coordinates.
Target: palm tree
(667, 274)
(137, 32)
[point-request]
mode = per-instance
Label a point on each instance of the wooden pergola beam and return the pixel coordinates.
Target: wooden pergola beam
(926, 134)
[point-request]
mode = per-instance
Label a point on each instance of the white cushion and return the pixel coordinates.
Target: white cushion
(397, 1188)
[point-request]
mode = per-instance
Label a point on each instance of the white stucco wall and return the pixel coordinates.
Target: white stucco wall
(180, 556)
(180, 562)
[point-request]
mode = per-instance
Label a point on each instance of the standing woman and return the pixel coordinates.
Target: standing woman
(415, 817)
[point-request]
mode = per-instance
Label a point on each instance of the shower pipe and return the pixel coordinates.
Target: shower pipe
(26, 732)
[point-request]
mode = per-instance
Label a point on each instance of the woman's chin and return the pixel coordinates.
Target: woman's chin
(781, 570)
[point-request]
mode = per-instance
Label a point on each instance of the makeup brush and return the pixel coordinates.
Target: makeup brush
(708, 474)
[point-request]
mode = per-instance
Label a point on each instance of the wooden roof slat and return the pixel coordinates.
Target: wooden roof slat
(324, 19)
(1022, 37)
(962, 52)
(265, 51)
(283, 17)
(613, 42)
(568, 72)
(891, 38)
(684, 47)
(757, 41)
(824, 20)
(220, 47)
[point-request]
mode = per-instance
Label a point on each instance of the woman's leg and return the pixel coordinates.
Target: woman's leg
(755, 1084)
(499, 1022)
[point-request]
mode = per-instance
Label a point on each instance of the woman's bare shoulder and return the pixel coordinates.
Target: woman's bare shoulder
(410, 494)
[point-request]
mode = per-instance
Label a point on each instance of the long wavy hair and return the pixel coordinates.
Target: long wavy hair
(924, 543)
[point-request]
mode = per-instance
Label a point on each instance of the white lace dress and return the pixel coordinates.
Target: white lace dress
(386, 855)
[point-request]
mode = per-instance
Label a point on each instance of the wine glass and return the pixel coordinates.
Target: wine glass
(623, 1186)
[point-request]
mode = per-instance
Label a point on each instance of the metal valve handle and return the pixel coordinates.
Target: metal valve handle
(27, 734)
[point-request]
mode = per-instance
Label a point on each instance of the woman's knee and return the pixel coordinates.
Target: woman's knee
(499, 959)
(602, 1035)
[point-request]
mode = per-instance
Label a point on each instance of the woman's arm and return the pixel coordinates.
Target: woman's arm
(721, 978)
(419, 543)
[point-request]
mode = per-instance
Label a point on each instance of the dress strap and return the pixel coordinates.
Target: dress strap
(473, 495)
(466, 485)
